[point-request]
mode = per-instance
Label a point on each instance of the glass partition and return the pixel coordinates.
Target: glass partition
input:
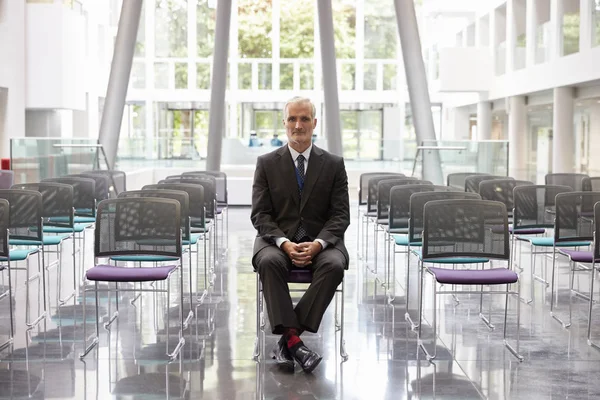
(487, 156)
(34, 159)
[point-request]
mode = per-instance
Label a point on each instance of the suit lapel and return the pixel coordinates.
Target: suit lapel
(288, 176)
(315, 163)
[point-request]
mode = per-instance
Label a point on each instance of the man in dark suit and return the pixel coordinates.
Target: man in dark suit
(300, 209)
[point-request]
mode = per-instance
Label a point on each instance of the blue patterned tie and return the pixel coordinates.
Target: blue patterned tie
(301, 232)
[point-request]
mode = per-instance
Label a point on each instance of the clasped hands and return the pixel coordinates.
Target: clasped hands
(301, 254)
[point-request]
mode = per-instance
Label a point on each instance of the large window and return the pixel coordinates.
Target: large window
(254, 29)
(170, 34)
(596, 23)
(570, 33)
(205, 28)
(381, 32)
(297, 29)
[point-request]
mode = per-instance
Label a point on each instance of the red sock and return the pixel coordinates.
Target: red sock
(291, 335)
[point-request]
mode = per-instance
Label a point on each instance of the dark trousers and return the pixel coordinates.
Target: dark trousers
(274, 266)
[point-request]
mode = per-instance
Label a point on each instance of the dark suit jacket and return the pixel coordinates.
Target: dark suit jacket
(276, 207)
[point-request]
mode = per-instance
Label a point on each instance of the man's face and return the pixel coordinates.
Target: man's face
(299, 123)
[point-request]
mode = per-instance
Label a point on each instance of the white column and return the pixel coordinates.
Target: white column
(585, 25)
(484, 120)
(563, 141)
(218, 85)
(517, 137)
(151, 138)
(460, 118)
(110, 125)
(531, 30)
(232, 97)
(329, 68)
(511, 35)
(417, 85)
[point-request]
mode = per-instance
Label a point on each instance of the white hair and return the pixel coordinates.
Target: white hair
(299, 99)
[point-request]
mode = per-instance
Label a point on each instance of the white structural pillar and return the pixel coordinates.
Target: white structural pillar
(517, 137)
(484, 132)
(118, 81)
(330, 86)
(417, 86)
(217, 87)
(563, 140)
(484, 120)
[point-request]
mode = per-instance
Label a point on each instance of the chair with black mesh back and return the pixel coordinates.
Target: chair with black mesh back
(370, 213)
(83, 199)
(209, 183)
(501, 190)
(457, 179)
(415, 232)
(57, 211)
(197, 216)
(591, 184)
(5, 267)
(574, 222)
(102, 186)
(117, 180)
(25, 223)
(534, 210)
(363, 194)
(462, 230)
(382, 219)
(593, 270)
(573, 180)
(472, 182)
(137, 226)
(183, 198)
(222, 199)
(398, 214)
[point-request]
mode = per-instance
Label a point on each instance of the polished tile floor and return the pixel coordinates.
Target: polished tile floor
(216, 362)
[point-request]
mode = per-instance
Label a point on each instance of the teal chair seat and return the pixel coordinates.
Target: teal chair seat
(142, 258)
(49, 240)
(62, 229)
(77, 219)
(193, 239)
(19, 254)
(452, 260)
(402, 240)
(548, 241)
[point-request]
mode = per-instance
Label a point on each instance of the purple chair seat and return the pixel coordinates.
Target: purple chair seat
(110, 273)
(300, 276)
(578, 256)
(527, 231)
(493, 276)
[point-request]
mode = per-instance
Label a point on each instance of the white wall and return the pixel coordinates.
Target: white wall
(12, 72)
(55, 57)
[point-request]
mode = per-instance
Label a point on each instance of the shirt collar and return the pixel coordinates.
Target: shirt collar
(295, 154)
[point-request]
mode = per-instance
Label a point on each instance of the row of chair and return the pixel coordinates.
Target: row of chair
(159, 224)
(405, 205)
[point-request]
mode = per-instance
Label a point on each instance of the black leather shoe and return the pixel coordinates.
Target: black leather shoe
(281, 355)
(307, 358)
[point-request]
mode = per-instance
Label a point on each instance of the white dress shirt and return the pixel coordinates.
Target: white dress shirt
(280, 240)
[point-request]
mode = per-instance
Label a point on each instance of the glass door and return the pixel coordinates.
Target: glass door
(182, 132)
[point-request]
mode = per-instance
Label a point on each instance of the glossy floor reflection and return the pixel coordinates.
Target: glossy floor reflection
(216, 362)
